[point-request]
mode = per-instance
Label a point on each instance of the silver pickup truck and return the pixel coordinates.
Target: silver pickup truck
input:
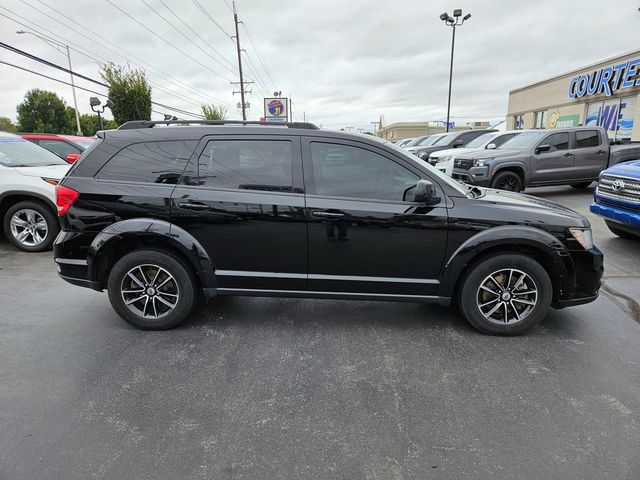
(571, 156)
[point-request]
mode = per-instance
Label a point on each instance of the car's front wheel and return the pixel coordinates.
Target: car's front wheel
(509, 181)
(151, 289)
(31, 226)
(505, 294)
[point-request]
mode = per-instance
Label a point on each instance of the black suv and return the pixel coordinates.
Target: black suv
(162, 215)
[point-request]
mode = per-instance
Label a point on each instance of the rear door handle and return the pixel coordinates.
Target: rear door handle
(327, 214)
(600, 152)
(194, 206)
(568, 154)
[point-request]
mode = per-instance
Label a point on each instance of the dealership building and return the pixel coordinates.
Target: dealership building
(603, 94)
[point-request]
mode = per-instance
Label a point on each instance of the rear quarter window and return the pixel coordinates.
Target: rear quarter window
(149, 162)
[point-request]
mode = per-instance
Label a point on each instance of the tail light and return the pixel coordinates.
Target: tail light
(65, 197)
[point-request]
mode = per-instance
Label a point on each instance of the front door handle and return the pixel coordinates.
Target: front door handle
(194, 206)
(568, 154)
(600, 152)
(327, 214)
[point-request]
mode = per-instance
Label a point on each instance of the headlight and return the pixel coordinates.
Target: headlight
(51, 181)
(480, 162)
(441, 159)
(583, 236)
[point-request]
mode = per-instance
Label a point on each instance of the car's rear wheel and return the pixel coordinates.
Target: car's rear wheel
(621, 233)
(151, 289)
(509, 181)
(581, 185)
(505, 294)
(31, 226)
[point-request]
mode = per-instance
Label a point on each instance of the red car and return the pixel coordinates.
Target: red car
(68, 147)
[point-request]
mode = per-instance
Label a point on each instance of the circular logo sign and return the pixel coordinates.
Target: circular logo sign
(276, 108)
(553, 119)
(618, 184)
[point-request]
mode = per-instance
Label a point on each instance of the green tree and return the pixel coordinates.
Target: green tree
(212, 112)
(90, 125)
(6, 125)
(129, 91)
(45, 112)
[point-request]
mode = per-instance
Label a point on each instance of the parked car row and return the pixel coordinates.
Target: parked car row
(67, 147)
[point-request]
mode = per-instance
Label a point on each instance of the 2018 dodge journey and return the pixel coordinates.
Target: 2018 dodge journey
(161, 215)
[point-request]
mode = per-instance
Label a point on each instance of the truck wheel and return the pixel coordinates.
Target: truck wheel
(505, 294)
(621, 233)
(151, 290)
(31, 226)
(509, 181)
(581, 185)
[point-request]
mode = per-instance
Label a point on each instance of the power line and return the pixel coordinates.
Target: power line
(254, 71)
(79, 49)
(206, 14)
(66, 70)
(258, 54)
(166, 41)
(198, 35)
(185, 36)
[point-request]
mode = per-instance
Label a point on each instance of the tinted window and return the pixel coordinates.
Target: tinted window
(150, 162)
(558, 141)
(59, 148)
(345, 171)
(587, 138)
(247, 165)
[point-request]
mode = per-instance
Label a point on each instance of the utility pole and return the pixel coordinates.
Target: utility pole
(375, 125)
(235, 19)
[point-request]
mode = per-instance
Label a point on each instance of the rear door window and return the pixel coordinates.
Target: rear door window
(247, 164)
(587, 138)
(149, 162)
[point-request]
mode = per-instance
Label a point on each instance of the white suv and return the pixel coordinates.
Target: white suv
(28, 176)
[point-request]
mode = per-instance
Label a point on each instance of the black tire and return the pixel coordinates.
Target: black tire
(581, 185)
(509, 181)
(179, 289)
(621, 233)
(472, 297)
(34, 213)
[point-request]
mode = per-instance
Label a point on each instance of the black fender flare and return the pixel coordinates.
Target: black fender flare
(509, 165)
(508, 236)
(151, 230)
(33, 195)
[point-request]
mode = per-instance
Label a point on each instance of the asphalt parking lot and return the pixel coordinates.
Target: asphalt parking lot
(282, 389)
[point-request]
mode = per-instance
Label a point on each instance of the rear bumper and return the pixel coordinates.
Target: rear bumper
(70, 254)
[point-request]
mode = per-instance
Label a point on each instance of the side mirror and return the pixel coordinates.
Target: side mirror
(491, 146)
(72, 157)
(457, 143)
(426, 193)
(543, 148)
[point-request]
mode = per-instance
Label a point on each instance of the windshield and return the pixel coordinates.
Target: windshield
(445, 139)
(18, 152)
(523, 140)
(481, 140)
(415, 141)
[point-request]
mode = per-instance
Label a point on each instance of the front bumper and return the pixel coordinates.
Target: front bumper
(588, 266)
(474, 176)
(617, 214)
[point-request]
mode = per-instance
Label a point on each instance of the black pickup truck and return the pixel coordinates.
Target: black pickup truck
(571, 156)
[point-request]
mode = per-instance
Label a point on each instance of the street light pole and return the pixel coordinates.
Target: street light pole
(73, 86)
(452, 22)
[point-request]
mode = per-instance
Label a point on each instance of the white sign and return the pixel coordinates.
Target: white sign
(276, 109)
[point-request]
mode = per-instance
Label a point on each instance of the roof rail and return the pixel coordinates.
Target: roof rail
(135, 124)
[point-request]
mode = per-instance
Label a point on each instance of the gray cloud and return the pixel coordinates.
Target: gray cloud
(343, 62)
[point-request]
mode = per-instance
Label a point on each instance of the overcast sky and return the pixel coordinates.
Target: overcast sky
(344, 63)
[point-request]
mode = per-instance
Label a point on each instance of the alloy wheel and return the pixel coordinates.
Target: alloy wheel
(507, 296)
(150, 291)
(28, 227)
(509, 184)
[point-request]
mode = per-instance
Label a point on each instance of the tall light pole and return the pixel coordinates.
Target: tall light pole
(453, 22)
(58, 46)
